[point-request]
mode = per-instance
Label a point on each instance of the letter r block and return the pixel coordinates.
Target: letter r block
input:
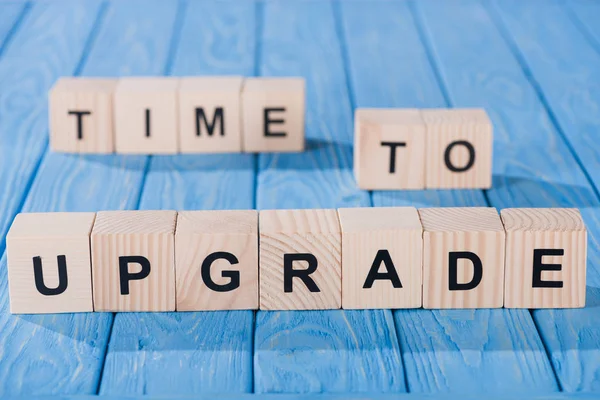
(300, 260)
(120, 239)
(463, 257)
(216, 260)
(545, 258)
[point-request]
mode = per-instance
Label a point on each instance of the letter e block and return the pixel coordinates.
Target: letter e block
(216, 258)
(300, 260)
(463, 257)
(133, 261)
(545, 258)
(382, 257)
(49, 268)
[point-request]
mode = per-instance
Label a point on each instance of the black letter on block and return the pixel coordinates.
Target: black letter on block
(538, 267)
(383, 256)
(290, 273)
(38, 275)
(210, 127)
(268, 121)
(234, 276)
(454, 256)
(80, 115)
(393, 146)
(147, 122)
(125, 276)
(469, 164)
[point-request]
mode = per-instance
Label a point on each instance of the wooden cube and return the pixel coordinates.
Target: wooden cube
(545, 258)
(216, 260)
(273, 115)
(463, 257)
(300, 260)
(209, 114)
(146, 115)
(81, 115)
(389, 149)
(49, 268)
(459, 149)
(382, 257)
(133, 261)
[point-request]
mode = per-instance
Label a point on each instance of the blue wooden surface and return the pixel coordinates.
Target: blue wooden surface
(535, 67)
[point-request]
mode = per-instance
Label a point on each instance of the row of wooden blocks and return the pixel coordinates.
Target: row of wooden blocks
(167, 115)
(422, 149)
(353, 258)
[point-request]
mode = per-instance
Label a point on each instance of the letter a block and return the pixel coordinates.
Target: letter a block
(49, 267)
(463, 257)
(545, 258)
(133, 261)
(300, 260)
(382, 257)
(217, 260)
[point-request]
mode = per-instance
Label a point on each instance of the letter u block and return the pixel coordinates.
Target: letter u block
(463, 257)
(216, 260)
(133, 261)
(49, 267)
(300, 260)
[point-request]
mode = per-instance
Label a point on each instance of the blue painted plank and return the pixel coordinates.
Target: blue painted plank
(11, 14)
(320, 351)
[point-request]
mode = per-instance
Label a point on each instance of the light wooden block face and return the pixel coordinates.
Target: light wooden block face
(273, 114)
(146, 115)
(49, 268)
(133, 261)
(545, 258)
(459, 148)
(463, 257)
(300, 260)
(81, 115)
(381, 257)
(210, 115)
(389, 149)
(217, 260)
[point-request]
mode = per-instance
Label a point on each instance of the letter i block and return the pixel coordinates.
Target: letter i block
(545, 258)
(300, 260)
(49, 268)
(389, 149)
(81, 115)
(382, 257)
(463, 257)
(146, 115)
(133, 261)
(216, 260)
(210, 115)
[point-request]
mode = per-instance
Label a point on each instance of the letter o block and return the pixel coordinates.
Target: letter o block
(463, 257)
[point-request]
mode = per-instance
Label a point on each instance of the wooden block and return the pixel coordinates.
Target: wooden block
(49, 268)
(458, 149)
(382, 252)
(463, 257)
(216, 260)
(133, 261)
(300, 260)
(545, 258)
(389, 149)
(273, 115)
(146, 115)
(81, 115)
(209, 114)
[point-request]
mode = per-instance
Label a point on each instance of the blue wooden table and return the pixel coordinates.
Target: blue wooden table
(535, 67)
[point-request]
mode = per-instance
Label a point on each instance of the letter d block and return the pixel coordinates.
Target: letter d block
(49, 267)
(463, 257)
(133, 261)
(300, 260)
(545, 258)
(216, 260)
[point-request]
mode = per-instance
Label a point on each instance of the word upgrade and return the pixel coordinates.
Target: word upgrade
(354, 258)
